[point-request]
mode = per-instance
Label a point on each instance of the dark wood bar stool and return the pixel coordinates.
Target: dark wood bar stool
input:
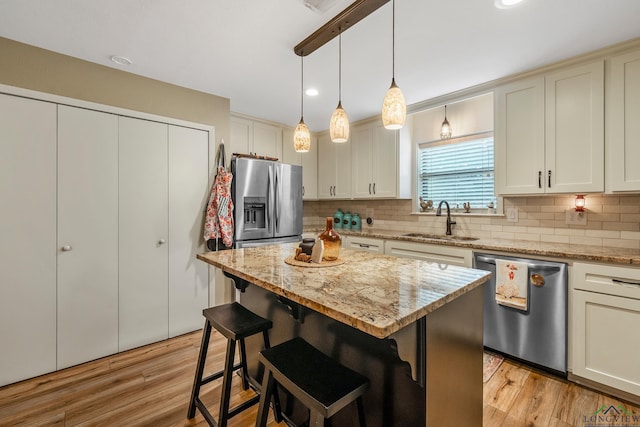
(319, 382)
(236, 323)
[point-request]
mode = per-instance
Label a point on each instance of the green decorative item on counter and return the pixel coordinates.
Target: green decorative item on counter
(356, 222)
(332, 241)
(346, 221)
(337, 219)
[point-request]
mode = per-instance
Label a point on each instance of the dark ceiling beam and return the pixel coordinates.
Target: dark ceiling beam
(357, 11)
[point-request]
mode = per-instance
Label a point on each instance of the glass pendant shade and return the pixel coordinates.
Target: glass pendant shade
(445, 130)
(302, 137)
(394, 108)
(339, 125)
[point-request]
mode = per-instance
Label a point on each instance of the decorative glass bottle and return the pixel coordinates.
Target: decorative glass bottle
(332, 242)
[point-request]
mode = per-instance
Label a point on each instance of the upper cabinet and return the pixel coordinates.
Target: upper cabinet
(308, 161)
(549, 133)
(623, 126)
(250, 136)
(334, 169)
(374, 169)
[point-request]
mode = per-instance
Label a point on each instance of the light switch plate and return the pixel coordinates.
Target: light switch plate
(571, 217)
(512, 214)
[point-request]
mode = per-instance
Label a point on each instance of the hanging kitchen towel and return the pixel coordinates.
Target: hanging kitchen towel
(219, 216)
(512, 282)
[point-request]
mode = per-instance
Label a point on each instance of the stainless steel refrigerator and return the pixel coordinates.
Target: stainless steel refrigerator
(267, 198)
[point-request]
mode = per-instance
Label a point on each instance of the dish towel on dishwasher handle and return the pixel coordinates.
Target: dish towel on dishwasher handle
(219, 216)
(512, 282)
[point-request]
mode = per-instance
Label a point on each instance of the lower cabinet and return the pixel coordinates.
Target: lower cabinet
(605, 325)
(363, 244)
(429, 252)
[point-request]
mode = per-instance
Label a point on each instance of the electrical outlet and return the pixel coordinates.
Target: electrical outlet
(369, 212)
(571, 217)
(512, 214)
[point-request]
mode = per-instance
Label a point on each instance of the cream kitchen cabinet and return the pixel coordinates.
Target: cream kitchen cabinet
(440, 254)
(374, 162)
(334, 169)
(252, 136)
(87, 309)
(28, 244)
(605, 325)
(163, 181)
(308, 161)
(549, 133)
(623, 126)
(366, 244)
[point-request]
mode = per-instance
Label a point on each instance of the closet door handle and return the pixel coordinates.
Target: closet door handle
(549, 178)
(539, 179)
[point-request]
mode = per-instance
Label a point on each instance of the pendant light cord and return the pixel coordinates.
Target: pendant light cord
(302, 88)
(393, 39)
(340, 66)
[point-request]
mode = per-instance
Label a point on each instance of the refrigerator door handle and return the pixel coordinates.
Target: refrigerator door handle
(269, 198)
(276, 199)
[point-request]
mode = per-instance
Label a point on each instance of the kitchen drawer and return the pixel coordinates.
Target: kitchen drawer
(363, 244)
(435, 253)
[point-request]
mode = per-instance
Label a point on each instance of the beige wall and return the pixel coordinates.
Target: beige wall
(41, 70)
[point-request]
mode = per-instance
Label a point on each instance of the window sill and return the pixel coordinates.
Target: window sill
(461, 214)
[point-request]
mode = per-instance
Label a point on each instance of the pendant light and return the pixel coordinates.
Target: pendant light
(301, 136)
(445, 130)
(394, 108)
(339, 124)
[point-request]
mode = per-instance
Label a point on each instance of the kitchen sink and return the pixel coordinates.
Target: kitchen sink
(439, 236)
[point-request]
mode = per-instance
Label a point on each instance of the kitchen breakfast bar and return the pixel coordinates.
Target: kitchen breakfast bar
(414, 328)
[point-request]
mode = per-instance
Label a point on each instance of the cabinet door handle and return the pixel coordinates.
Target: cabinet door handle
(549, 178)
(66, 248)
(162, 242)
(374, 188)
(303, 190)
(625, 282)
(539, 179)
(369, 188)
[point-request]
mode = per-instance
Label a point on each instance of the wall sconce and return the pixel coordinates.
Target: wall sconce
(580, 202)
(445, 130)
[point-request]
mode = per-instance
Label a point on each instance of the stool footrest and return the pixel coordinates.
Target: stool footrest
(217, 375)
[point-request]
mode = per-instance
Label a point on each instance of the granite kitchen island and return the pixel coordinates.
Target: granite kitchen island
(414, 328)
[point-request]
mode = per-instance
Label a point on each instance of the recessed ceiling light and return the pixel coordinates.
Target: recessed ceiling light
(121, 60)
(311, 92)
(507, 4)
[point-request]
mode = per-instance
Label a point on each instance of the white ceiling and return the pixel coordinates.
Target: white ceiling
(243, 49)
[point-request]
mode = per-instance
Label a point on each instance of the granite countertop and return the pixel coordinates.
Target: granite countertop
(376, 294)
(556, 250)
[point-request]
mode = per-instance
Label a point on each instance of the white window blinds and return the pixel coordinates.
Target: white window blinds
(458, 171)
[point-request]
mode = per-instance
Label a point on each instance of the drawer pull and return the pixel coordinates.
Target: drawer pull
(626, 282)
(362, 245)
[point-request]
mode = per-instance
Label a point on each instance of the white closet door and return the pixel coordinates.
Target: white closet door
(188, 197)
(87, 235)
(143, 281)
(28, 244)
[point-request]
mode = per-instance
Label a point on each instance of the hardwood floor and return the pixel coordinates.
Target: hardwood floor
(151, 386)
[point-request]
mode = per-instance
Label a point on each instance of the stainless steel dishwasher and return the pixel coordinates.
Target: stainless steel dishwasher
(537, 335)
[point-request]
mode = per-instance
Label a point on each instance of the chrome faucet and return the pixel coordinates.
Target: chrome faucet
(449, 222)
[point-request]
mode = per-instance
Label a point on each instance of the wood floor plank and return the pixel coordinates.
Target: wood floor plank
(151, 386)
(504, 386)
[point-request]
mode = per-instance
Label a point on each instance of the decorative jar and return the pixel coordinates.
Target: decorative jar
(337, 219)
(332, 242)
(346, 221)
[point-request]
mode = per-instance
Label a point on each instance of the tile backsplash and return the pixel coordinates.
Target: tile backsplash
(612, 220)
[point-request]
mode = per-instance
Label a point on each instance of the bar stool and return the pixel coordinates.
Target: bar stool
(236, 323)
(319, 382)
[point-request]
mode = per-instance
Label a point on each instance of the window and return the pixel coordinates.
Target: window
(457, 170)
